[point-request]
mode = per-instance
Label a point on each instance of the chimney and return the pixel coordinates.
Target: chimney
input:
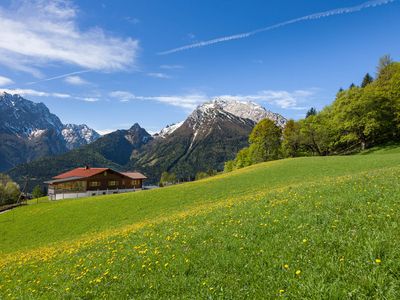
(87, 167)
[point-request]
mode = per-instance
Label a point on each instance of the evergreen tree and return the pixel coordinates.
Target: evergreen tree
(352, 86)
(311, 112)
(367, 80)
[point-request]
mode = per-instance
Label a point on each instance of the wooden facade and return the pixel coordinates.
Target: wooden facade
(83, 182)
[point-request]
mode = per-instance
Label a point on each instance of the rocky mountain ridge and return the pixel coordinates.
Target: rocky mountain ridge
(212, 134)
(28, 130)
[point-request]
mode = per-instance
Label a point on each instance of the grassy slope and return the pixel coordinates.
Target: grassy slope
(226, 236)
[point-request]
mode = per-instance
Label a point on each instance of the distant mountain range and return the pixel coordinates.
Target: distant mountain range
(212, 134)
(29, 131)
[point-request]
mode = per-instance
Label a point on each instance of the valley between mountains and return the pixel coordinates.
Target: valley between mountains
(212, 134)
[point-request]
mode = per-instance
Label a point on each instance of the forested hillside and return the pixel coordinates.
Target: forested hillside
(359, 118)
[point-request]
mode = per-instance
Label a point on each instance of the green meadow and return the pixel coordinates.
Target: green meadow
(312, 227)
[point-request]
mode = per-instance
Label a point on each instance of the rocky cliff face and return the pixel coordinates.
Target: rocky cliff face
(28, 131)
(212, 134)
(78, 135)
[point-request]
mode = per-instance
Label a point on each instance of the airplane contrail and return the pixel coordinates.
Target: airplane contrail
(319, 15)
(60, 76)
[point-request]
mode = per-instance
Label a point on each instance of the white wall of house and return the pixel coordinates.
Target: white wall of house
(61, 196)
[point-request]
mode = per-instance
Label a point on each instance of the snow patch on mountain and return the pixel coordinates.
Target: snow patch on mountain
(169, 130)
(78, 135)
(30, 120)
(36, 133)
(249, 110)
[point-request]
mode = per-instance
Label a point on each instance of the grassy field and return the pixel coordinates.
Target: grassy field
(321, 227)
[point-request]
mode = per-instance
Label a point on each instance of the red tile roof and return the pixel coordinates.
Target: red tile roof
(81, 172)
(134, 175)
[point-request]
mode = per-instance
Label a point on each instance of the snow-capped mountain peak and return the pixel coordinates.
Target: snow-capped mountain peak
(169, 129)
(29, 131)
(78, 135)
(239, 108)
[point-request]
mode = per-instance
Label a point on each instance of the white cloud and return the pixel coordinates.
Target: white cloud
(37, 32)
(60, 95)
(59, 76)
(123, 96)
(159, 75)
(30, 92)
(188, 101)
(75, 80)
(89, 99)
(171, 67)
(5, 81)
(132, 20)
(36, 93)
(293, 100)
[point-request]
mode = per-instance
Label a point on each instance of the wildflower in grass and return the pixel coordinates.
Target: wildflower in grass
(304, 241)
(298, 272)
(378, 260)
(281, 291)
(286, 266)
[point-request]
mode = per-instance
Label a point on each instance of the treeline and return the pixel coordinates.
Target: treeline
(170, 178)
(359, 118)
(9, 190)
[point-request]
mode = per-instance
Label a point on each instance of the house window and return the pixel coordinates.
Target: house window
(94, 183)
(135, 182)
(112, 183)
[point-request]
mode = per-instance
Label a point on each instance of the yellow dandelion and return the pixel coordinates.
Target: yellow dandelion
(298, 272)
(281, 291)
(378, 260)
(304, 240)
(286, 266)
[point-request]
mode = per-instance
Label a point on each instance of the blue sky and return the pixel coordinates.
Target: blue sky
(115, 51)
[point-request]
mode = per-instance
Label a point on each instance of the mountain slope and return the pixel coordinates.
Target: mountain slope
(78, 135)
(211, 135)
(274, 230)
(29, 131)
(112, 150)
